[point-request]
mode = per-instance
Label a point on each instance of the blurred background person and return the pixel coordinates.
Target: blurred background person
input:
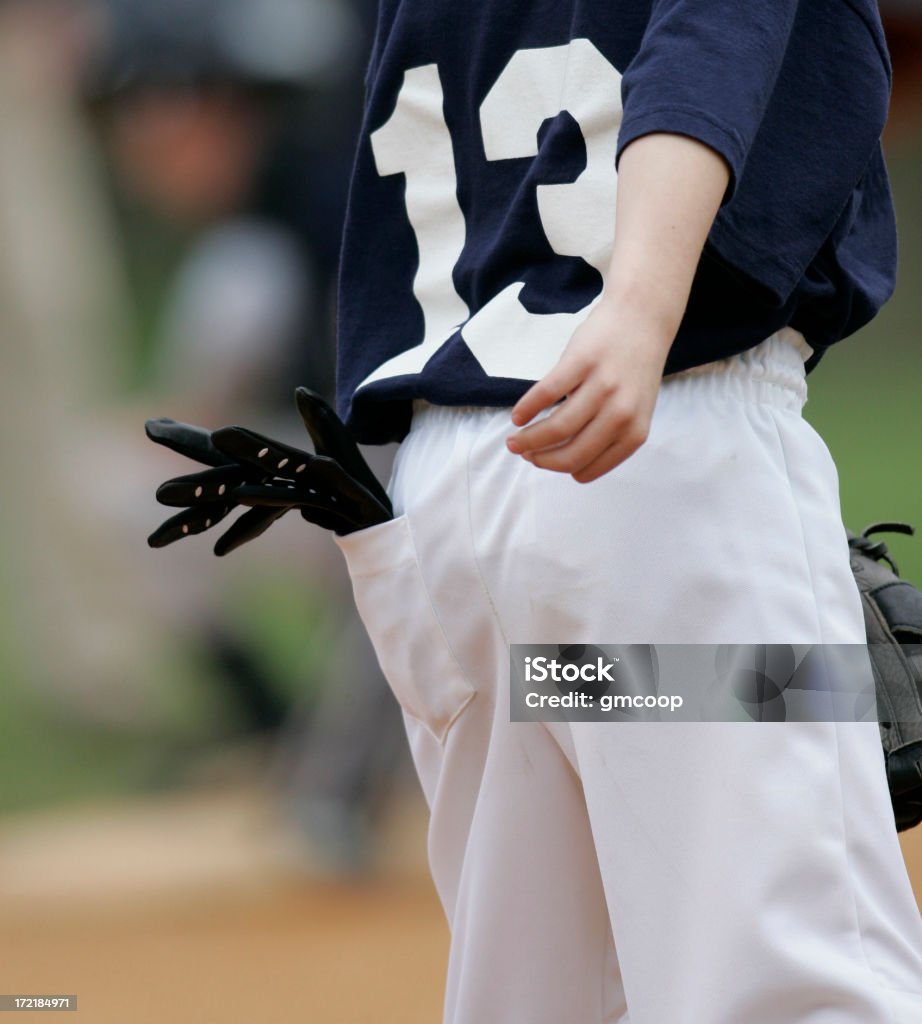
(229, 125)
(232, 123)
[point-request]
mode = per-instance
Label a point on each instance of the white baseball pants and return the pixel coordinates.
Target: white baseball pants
(650, 873)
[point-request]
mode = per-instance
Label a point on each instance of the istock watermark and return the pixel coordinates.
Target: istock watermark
(691, 683)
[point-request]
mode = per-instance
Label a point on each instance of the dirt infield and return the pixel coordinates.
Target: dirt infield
(370, 953)
(194, 909)
(201, 908)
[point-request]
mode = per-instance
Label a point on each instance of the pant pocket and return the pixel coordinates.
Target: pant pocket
(394, 604)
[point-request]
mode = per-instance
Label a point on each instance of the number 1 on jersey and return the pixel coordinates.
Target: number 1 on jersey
(415, 141)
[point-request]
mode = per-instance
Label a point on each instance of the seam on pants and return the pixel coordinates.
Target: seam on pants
(494, 611)
(835, 731)
(448, 646)
(801, 533)
(609, 1013)
(881, 984)
(474, 554)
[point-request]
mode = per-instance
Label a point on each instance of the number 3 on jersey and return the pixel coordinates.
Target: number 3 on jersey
(577, 217)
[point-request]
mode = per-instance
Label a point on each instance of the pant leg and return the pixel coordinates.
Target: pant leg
(510, 847)
(752, 870)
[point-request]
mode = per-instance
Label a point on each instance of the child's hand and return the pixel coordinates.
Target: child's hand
(609, 375)
(669, 190)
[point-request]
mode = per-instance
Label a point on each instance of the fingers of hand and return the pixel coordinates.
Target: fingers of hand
(613, 456)
(211, 486)
(601, 418)
(567, 420)
(186, 439)
(614, 433)
(331, 438)
(187, 523)
(250, 525)
(319, 420)
(263, 453)
(275, 494)
(564, 378)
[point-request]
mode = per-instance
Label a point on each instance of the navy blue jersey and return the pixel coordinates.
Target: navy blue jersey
(482, 206)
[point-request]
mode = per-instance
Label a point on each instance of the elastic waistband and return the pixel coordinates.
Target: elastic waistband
(772, 371)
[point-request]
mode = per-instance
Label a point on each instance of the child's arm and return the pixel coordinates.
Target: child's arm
(669, 190)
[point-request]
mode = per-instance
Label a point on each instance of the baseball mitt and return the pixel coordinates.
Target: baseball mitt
(333, 487)
(893, 619)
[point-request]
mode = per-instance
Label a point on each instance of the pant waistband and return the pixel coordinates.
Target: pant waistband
(772, 371)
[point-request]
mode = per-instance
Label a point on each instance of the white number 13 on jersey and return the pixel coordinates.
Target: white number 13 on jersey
(577, 217)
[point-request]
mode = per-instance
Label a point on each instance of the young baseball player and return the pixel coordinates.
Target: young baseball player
(593, 250)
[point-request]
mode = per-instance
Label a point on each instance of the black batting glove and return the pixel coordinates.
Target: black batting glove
(334, 488)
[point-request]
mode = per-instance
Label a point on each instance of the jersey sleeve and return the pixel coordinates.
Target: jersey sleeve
(794, 95)
(707, 69)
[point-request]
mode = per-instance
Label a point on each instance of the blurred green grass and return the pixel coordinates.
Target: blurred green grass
(50, 756)
(867, 410)
(864, 397)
